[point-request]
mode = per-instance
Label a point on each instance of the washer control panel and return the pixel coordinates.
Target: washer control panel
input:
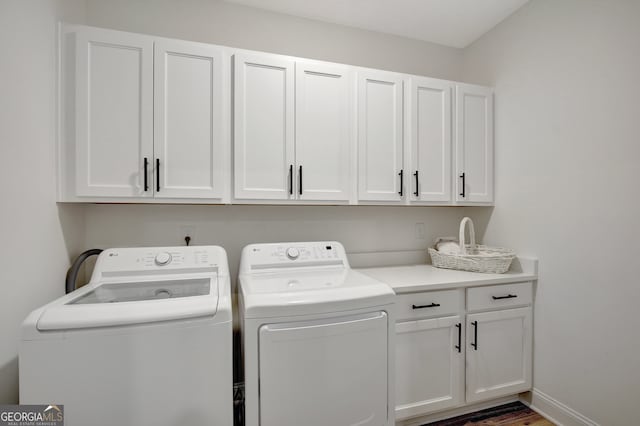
(161, 258)
(282, 255)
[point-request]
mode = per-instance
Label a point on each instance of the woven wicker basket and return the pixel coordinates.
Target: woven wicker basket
(472, 257)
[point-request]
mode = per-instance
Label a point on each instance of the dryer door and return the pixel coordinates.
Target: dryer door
(326, 372)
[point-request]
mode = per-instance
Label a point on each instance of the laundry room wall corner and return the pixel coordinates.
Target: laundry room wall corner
(38, 237)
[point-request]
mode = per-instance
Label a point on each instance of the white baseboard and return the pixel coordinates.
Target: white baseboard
(454, 412)
(555, 411)
(550, 408)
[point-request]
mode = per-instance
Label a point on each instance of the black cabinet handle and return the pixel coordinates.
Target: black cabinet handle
(459, 345)
(291, 179)
(300, 181)
(432, 305)
(463, 184)
(509, 296)
(416, 192)
(146, 178)
(157, 175)
(401, 174)
(475, 335)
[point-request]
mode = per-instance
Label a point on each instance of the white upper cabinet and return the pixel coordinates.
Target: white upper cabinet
(113, 113)
(149, 119)
(323, 133)
(145, 118)
(380, 143)
(430, 129)
(190, 150)
(263, 127)
(271, 161)
(474, 144)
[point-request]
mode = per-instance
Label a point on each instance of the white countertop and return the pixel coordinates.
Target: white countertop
(415, 278)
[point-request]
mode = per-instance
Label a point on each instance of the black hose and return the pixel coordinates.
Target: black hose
(72, 273)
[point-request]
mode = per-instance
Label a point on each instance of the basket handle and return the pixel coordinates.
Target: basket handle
(472, 235)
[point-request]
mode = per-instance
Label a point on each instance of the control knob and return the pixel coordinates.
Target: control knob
(293, 253)
(163, 258)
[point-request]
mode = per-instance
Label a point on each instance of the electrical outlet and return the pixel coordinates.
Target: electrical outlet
(186, 231)
(420, 231)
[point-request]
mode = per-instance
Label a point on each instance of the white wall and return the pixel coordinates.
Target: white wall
(566, 74)
(359, 228)
(38, 237)
(239, 26)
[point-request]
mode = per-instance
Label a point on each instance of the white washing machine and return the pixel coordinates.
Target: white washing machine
(317, 338)
(147, 342)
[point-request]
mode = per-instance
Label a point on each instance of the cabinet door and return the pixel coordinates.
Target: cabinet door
(323, 136)
(429, 366)
(380, 147)
(474, 143)
(263, 127)
(190, 145)
(430, 124)
(498, 353)
(114, 113)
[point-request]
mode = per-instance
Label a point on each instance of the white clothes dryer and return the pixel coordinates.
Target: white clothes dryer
(317, 338)
(147, 342)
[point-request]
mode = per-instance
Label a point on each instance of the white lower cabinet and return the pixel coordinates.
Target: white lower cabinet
(498, 353)
(453, 360)
(429, 366)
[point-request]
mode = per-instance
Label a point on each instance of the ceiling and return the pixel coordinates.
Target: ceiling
(454, 23)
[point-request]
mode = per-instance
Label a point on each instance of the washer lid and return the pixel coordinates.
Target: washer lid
(126, 303)
(149, 290)
(311, 292)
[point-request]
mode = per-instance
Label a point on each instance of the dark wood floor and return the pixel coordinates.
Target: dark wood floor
(514, 414)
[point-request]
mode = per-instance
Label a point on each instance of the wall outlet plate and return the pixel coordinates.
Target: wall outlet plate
(186, 231)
